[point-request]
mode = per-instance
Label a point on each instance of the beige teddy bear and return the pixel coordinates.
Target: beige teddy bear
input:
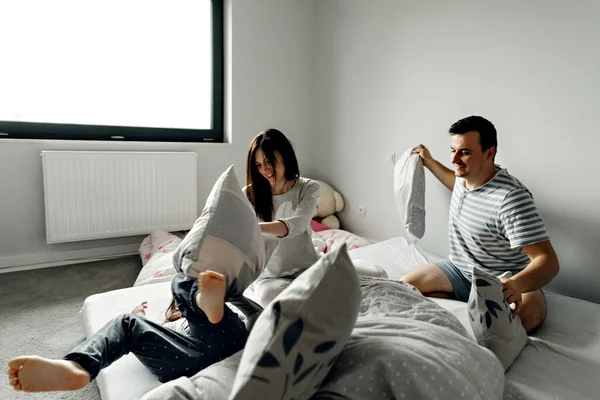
(329, 203)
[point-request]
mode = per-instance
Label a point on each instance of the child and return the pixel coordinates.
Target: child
(167, 353)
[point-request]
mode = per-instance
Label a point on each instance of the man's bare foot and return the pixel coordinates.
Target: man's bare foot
(37, 374)
(211, 295)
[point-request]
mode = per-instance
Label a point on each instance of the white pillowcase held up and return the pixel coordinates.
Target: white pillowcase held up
(409, 190)
(226, 238)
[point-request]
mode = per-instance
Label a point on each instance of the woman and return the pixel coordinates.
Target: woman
(181, 348)
(284, 203)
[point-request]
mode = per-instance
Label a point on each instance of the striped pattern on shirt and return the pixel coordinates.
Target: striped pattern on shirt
(490, 225)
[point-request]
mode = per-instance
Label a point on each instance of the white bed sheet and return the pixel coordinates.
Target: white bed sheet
(127, 378)
(562, 361)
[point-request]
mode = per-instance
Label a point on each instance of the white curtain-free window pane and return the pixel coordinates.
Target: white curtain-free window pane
(143, 63)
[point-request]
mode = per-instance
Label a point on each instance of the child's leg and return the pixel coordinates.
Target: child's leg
(168, 354)
(211, 295)
(229, 335)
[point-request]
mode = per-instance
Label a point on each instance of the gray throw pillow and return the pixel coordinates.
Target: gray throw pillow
(491, 318)
(299, 335)
(226, 238)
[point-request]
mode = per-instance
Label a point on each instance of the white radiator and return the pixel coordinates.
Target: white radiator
(105, 194)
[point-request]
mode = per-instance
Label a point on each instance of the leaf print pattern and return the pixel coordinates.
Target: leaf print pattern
(298, 363)
(268, 360)
(324, 347)
(492, 307)
(292, 334)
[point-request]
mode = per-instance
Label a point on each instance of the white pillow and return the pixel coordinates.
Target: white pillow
(368, 268)
(491, 318)
(156, 252)
(330, 239)
(158, 241)
(226, 238)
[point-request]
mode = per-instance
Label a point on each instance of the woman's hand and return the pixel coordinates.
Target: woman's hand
(276, 228)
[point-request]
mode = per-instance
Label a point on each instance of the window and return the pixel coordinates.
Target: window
(135, 70)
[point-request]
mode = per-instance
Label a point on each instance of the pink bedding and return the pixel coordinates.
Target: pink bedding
(328, 239)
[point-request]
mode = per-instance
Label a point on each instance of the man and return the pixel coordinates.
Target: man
(494, 225)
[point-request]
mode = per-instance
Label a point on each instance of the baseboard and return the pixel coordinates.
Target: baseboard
(33, 261)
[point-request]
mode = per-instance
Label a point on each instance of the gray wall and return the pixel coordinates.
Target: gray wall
(350, 81)
(393, 74)
(268, 86)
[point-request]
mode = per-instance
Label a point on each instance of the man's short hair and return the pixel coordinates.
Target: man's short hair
(487, 131)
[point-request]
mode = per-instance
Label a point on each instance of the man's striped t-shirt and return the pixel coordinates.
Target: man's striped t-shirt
(490, 225)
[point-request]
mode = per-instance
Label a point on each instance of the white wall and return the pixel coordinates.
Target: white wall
(393, 74)
(270, 59)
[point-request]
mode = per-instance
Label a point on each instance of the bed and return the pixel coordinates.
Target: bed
(562, 361)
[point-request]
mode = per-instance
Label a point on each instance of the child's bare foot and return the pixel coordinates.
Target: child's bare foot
(37, 374)
(211, 295)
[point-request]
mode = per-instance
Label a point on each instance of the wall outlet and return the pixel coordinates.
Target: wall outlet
(362, 211)
(390, 158)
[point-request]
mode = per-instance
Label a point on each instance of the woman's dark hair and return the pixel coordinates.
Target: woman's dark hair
(172, 313)
(258, 189)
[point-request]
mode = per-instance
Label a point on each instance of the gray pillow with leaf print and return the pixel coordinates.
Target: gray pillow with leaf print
(299, 335)
(491, 318)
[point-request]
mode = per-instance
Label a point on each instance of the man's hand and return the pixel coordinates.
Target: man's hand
(425, 155)
(512, 294)
(444, 175)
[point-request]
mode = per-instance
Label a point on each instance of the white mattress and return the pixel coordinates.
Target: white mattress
(561, 362)
(127, 378)
(395, 255)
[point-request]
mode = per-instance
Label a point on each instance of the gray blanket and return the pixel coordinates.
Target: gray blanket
(403, 346)
(406, 346)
